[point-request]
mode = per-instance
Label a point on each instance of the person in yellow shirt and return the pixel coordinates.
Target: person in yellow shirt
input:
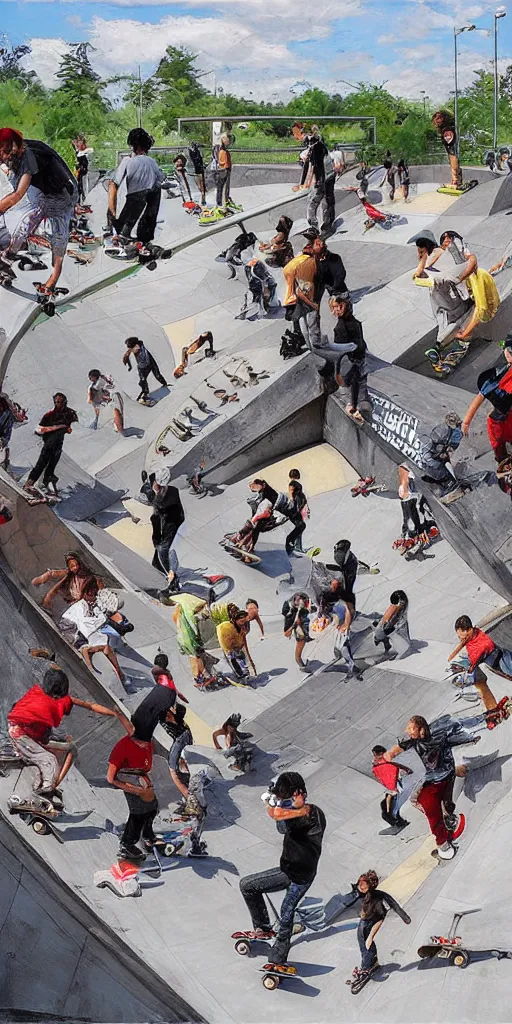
(300, 275)
(233, 642)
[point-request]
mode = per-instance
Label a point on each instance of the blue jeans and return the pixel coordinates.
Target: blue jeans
(368, 956)
(252, 888)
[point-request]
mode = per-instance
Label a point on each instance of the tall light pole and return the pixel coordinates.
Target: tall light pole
(425, 98)
(457, 32)
(500, 13)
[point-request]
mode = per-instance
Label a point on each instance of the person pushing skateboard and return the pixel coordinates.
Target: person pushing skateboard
(303, 826)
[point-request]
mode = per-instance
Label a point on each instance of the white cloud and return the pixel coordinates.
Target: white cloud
(44, 59)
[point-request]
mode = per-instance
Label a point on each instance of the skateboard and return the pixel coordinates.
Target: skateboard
(459, 492)
(236, 552)
(444, 360)
(499, 714)
(36, 497)
(274, 974)
(452, 190)
(393, 830)
(360, 978)
(365, 486)
(38, 815)
(46, 299)
(448, 948)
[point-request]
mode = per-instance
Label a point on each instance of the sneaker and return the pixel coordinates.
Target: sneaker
(131, 853)
(446, 851)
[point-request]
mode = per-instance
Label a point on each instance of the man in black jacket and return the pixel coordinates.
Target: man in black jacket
(330, 271)
(167, 517)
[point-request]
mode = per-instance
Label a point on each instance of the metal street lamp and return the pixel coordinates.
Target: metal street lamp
(500, 13)
(457, 32)
(425, 98)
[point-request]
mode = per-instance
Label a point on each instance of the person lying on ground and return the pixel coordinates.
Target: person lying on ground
(394, 623)
(236, 745)
(388, 774)
(30, 724)
(129, 767)
(72, 582)
(162, 676)
(101, 391)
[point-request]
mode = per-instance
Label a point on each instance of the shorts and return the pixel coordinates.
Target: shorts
(499, 431)
(46, 758)
(57, 209)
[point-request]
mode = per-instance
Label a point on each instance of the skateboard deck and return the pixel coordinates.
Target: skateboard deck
(237, 552)
(358, 983)
(393, 830)
(455, 953)
(445, 359)
(41, 824)
(452, 190)
(272, 977)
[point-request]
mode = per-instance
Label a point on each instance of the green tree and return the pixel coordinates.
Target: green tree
(78, 105)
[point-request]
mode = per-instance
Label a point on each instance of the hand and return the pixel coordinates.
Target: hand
(147, 795)
(465, 428)
(69, 430)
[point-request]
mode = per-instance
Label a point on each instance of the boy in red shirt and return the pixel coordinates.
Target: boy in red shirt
(388, 774)
(162, 676)
(481, 650)
(129, 765)
(30, 723)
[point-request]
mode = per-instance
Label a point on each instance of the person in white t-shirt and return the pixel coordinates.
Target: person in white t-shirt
(101, 391)
(143, 189)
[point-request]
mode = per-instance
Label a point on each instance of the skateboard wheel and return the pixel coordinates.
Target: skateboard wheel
(243, 947)
(270, 982)
(41, 828)
(461, 959)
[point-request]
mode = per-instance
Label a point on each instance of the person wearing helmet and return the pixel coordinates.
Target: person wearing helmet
(166, 519)
(143, 189)
(47, 186)
(436, 451)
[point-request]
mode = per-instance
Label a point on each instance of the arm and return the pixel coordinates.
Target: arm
(304, 298)
(14, 197)
(178, 783)
(282, 813)
(394, 905)
(421, 266)
(260, 624)
(390, 754)
(100, 710)
(472, 411)
(112, 198)
(50, 574)
(128, 787)
(215, 738)
(404, 768)
(182, 697)
(460, 647)
(376, 928)
(390, 613)
(470, 269)
(248, 653)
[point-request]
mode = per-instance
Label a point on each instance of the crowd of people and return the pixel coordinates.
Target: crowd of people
(89, 613)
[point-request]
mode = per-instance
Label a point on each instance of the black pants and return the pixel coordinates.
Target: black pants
(411, 526)
(140, 820)
(353, 379)
(145, 203)
(144, 372)
(330, 205)
(292, 537)
(253, 887)
(223, 179)
(164, 559)
(47, 462)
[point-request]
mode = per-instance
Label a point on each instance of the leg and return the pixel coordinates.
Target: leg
(330, 205)
(220, 182)
(155, 370)
(315, 198)
(58, 210)
(227, 186)
(455, 169)
(143, 382)
(430, 800)
(41, 464)
(299, 647)
(132, 209)
(65, 754)
(294, 536)
(51, 465)
(313, 327)
(368, 956)
(281, 948)
(44, 760)
(111, 656)
(165, 557)
(147, 224)
(147, 826)
(118, 421)
(254, 886)
(132, 830)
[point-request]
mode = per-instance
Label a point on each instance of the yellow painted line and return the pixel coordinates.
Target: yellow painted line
(427, 202)
(201, 731)
(409, 876)
(321, 469)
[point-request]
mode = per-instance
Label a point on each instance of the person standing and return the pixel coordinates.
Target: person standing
(444, 123)
(143, 189)
(34, 166)
(373, 915)
(319, 162)
(102, 391)
(300, 276)
(296, 511)
(146, 364)
(434, 748)
(129, 765)
(223, 171)
(296, 620)
(348, 340)
(389, 175)
(403, 178)
(197, 161)
(495, 385)
(303, 825)
(166, 519)
(82, 153)
(52, 428)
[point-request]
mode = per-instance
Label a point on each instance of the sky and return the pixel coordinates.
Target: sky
(271, 49)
